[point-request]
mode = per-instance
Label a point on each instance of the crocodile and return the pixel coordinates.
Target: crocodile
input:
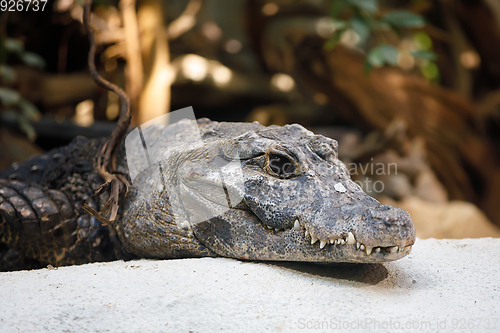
(289, 198)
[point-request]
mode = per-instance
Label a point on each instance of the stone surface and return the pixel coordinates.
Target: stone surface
(443, 285)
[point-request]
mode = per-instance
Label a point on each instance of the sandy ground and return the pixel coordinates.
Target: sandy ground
(442, 286)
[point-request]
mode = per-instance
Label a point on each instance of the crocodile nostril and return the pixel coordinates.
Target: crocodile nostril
(384, 208)
(387, 223)
(387, 215)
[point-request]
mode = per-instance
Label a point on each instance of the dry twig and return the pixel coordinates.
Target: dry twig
(116, 183)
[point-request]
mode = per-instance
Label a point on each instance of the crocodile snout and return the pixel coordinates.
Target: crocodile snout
(386, 226)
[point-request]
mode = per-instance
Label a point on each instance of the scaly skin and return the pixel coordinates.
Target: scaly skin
(310, 211)
(42, 220)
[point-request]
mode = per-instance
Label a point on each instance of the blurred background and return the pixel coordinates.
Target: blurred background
(409, 89)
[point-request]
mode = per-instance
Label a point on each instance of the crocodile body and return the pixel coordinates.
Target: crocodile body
(285, 196)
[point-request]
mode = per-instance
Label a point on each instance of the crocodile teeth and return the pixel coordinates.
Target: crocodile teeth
(268, 227)
(276, 229)
(357, 245)
(332, 241)
(369, 250)
(377, 250)
(393, 249)
(362, 247)
(296, 224)
(313, 240)
(342, 241)
(307, 233)
(350, 238)
(322, 244)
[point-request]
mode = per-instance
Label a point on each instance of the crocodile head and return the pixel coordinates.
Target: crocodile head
(277, 193)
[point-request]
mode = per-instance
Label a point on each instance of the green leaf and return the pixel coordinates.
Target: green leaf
(7, 73)
(360, 26)
(404, 19)
(426, 55)
(13, 45)
(370, 6)
(375, 58)
(29, 110)
(390, 54)
(9, 97)
(430, 70)
(423, 41)
(334, 40)
(33, 60)
(383, 54)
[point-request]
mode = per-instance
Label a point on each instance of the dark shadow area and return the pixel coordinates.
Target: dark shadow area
(371, 274)
(12, 260)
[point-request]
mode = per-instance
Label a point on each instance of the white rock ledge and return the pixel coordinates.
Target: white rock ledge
(442, 286)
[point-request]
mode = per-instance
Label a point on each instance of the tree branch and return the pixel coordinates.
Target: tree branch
(116, 183)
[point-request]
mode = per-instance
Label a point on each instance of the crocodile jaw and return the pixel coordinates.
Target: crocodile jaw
(241, 234)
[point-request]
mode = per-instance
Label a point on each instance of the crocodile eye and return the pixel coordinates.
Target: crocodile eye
(280, 165)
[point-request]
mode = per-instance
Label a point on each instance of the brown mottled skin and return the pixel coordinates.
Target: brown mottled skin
(42, 220)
